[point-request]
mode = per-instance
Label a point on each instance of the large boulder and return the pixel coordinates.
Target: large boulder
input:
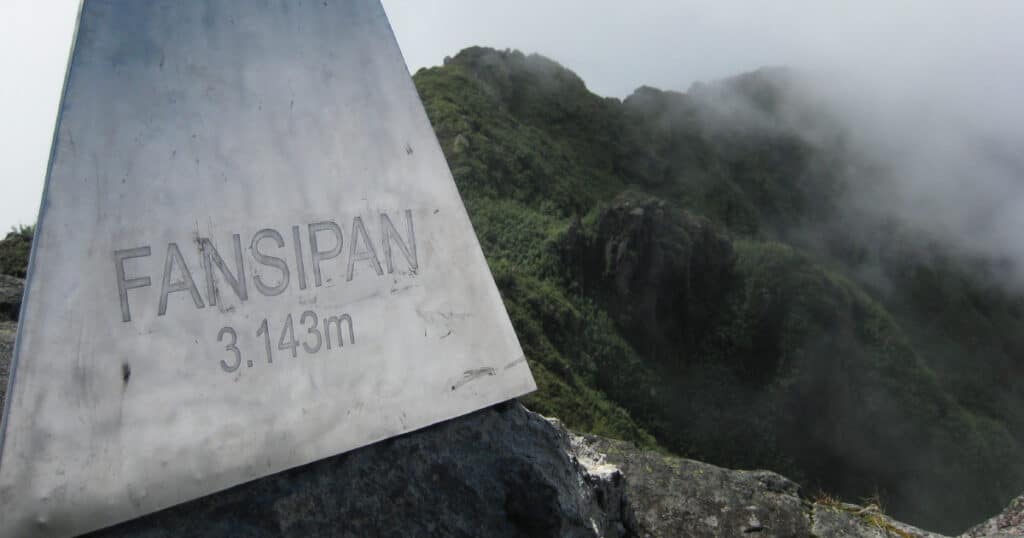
(671, 496)
(502, 471)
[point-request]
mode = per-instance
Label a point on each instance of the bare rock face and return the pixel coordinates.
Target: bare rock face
(671, 496)
(679, 497)
(663, 270)
(503, 471)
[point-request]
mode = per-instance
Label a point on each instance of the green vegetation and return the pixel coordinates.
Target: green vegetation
(683, 278)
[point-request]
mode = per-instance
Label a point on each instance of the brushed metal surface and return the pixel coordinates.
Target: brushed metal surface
(195, 137)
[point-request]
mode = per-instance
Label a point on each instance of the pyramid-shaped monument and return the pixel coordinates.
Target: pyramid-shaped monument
(250, 255)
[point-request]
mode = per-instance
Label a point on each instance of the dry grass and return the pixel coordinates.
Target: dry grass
(826, 499)
(871, 513)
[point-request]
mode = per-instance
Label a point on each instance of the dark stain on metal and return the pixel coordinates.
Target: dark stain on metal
(470, 375)
(126, 373)
(515, 362)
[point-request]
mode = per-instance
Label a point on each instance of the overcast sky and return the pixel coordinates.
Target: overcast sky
(965, 57)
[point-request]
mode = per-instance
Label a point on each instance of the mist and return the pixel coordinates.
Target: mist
(942, 160)
(947, 158)
(931, 176)
(929, 95)
(961, 60)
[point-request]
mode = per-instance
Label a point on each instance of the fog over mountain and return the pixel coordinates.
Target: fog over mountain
(916, 65)
(952, 169)
(948, 167)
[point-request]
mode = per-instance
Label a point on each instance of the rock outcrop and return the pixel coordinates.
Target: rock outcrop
(670, 496)
(660, 270)
(507, 472)
(502, 471)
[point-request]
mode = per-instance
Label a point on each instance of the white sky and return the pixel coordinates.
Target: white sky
(966, 55)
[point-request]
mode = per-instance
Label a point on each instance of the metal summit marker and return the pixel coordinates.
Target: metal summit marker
(251, 255)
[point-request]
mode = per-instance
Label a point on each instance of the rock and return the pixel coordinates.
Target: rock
(1010, 522)
(662, 272)
(503, 471)
(11, 289)
(672, 496)
(7, 330)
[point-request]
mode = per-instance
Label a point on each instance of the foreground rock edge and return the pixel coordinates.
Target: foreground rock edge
(506, 471)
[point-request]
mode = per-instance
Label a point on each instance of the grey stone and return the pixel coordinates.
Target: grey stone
(503, 471)
(671, 496)
(663, 270)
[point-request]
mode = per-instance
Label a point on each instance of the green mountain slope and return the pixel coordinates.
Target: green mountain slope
(680, 273)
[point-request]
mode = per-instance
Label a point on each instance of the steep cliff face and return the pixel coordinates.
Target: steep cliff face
(657, 270)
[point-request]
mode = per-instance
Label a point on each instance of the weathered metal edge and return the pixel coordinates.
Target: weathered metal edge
(29, 280)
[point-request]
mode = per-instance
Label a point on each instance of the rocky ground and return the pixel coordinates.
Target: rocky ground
(505, 471)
